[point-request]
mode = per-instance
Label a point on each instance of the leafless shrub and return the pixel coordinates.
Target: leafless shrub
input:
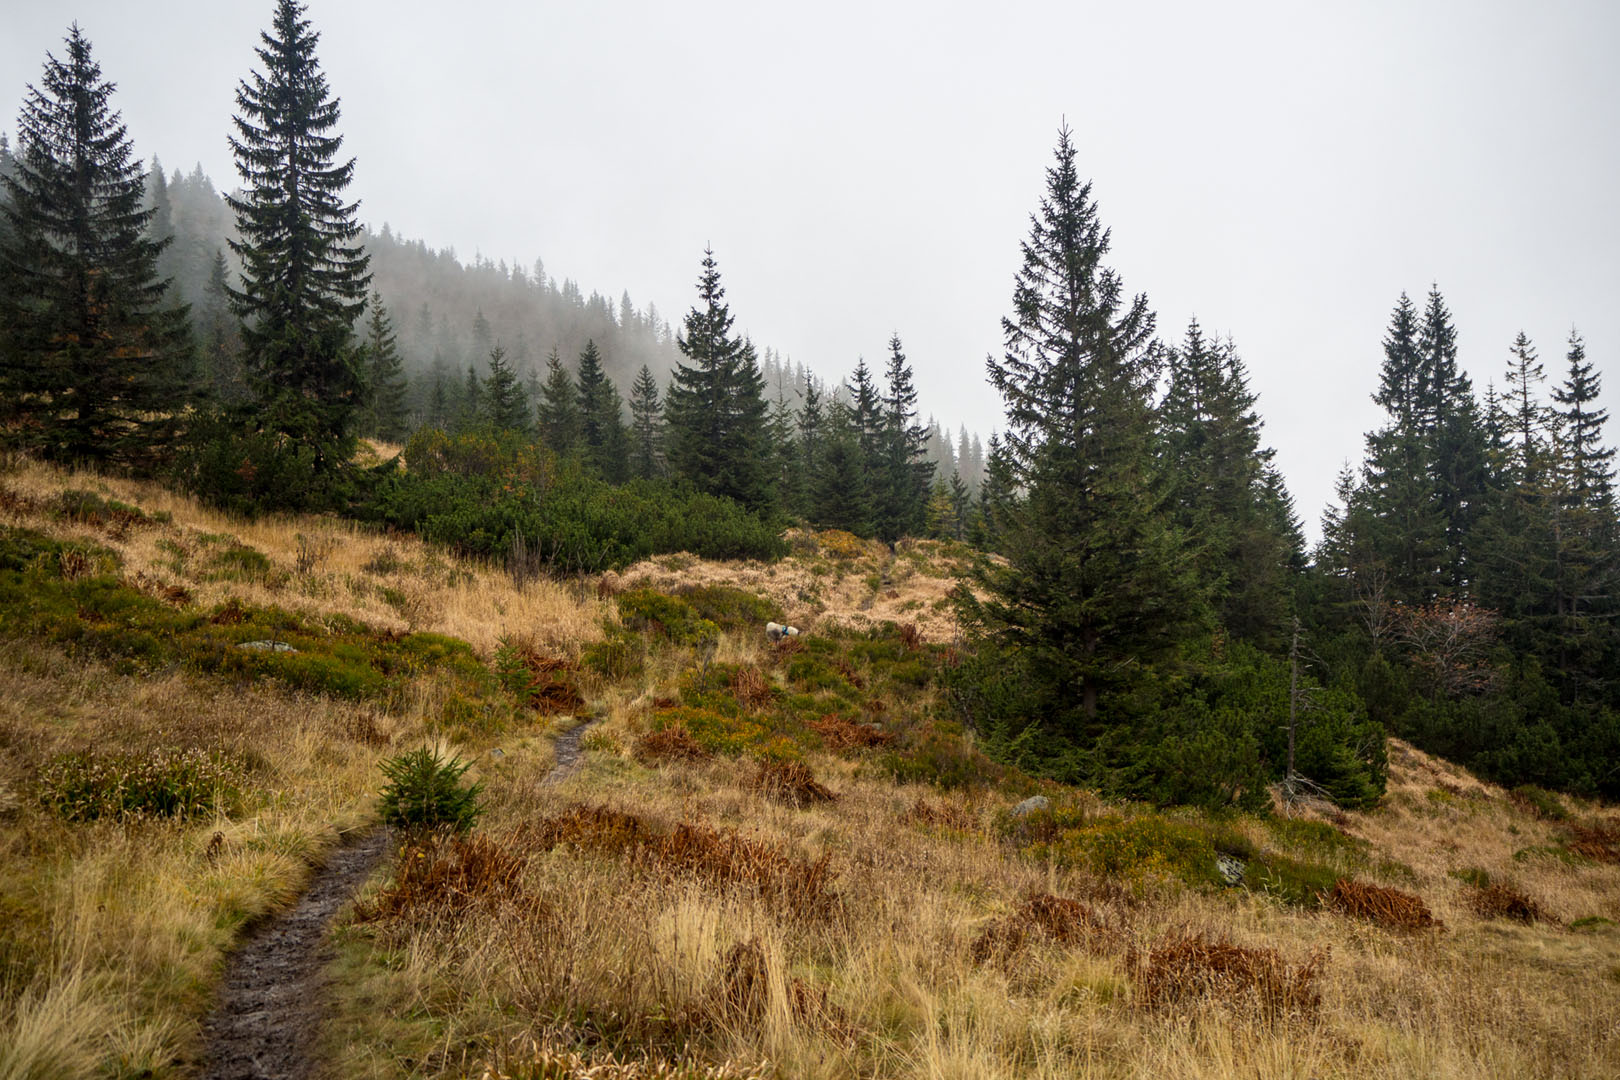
(1387, 907)
(1190, 966)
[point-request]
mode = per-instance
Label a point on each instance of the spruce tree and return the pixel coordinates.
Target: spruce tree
(559, 408)
(838, 494)
(91, 357)
(386, 386)
(812, 424)
(220, 338)
(503, 403)
(603, 441)
(1096, 583)
(1454, 440)
(304, 276)
(470, 405)
(906, 471)
(646, 426)
(1591, 465)
(1398, 485)
(716, 405)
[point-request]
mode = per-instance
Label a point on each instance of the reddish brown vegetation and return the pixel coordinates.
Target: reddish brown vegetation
(1387, 907)
(789, 782)
(787, 882)
(750, 689)
(838, 733)
(442, 879)
(670, 744)
(1190, 966)
(1041, 915)
(910, 636)
(1501, 901)
(947, 815)
(551, 688)
(1596, 840)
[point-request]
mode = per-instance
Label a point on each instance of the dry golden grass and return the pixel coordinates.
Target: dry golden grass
(829, 577)
(654, 966)
(317, 565)
(635, 920)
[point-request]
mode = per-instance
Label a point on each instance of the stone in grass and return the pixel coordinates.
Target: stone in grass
(1231, 869)
(1030, 805)
(266, 646)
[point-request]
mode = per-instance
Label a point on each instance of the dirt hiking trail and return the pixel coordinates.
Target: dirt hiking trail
(271, 1000)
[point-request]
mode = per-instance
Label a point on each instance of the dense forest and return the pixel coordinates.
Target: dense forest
(1143, 616)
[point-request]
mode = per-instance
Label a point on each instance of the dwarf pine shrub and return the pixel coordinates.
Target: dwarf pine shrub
(424, 791)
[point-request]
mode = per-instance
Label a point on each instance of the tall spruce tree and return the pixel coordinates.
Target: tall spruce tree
(1591, 464)
(1397, 487)
(646, 427)
(91, 357)
(907, 473)
(716, 404)
(603, 440)
(504, 403)
(559, 408)
(220, 338)
(1096, 583)
(386, 385)
(304, 276)
(1223, 491)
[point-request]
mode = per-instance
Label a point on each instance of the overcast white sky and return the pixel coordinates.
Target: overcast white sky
(1281, 170)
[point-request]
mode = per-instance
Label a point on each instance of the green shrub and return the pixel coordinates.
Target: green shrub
(240, 563)
(716, 732)
(158, 783)
(1136, 849)
(425, 792)
(617, 656)
(1542, 802)
(731, 608)
(944, 760)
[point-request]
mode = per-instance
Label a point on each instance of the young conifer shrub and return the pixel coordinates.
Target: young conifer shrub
(424, 791)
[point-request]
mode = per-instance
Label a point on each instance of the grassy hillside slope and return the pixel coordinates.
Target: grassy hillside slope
(773, 860)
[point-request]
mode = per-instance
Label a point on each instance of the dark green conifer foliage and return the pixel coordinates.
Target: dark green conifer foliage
(839, 495)
(715, 407)
(787, 465)
(1224, 493)
(997, 493)
(1397, 488)
(504, 402)
(220, 339)
(470, 404)
(559, 408)
(906, 473)
(604, 443)
(386, 385)
(812, 423)
(1448, 418)
(439, 409)
(91, 357)
(646, 427)
(304, 276)
(1097, 583)
(1591, 464)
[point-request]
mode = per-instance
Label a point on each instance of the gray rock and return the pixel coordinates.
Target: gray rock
(1231, 869)
(1030, 805)
(266, 646)
(497, 753)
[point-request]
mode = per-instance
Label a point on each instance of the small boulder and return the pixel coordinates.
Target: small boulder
(1230, 868)
(1030, 805)
(266, 646)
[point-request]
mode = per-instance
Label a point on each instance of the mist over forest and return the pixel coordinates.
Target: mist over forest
(412, 666)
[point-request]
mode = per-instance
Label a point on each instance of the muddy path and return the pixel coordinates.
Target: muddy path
(271, 999)
(568, 753)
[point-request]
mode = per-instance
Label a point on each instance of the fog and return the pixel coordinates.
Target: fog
(1283, 171)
